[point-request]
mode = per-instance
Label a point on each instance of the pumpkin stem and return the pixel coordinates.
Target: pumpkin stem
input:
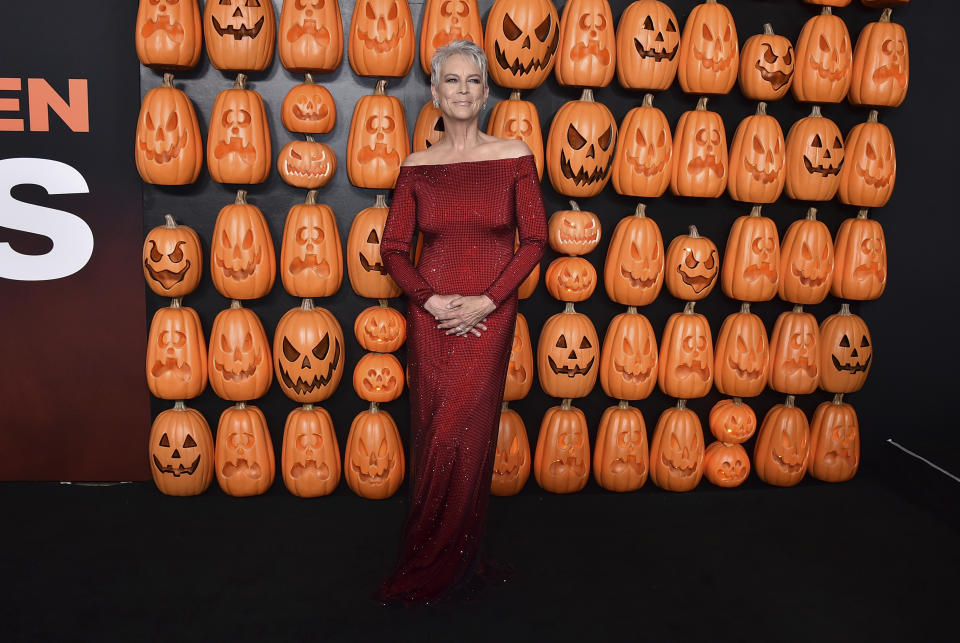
(306, 304)
(862, 214)
(569, 308)
(693, 232)
(631, 310)
(872, 118)
(311, 197)
(738, 401)
(574, 206)
(838, 398)
(175, 302)
(240, 406)
(515, 94)
(167, 80)
(811, 214)
(885, 16)
(827, 11)
(767, 29)
(587, 95)
(789, 401)
(755, 211)
(308, 78)
(745, 308)
(688, 308)
(682, 405)
(240, 82)
(170, 223)
(241, 198)
(641, 210)
(702, 104)
(383, 303)
(307, 407)
(566, 404)
(623, 405)
(381, 89)
(647, 100)
(179, 406)
(845, 308)
(235, 304)
(381, 201)
(374, 407)
(815, 112)
(761, 109)
(797, 308)
(504, 406)
(310, 139)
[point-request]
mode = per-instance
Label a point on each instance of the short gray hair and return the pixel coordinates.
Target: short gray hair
(466, 48)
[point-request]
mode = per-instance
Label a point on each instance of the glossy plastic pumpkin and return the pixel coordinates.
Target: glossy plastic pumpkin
(860, 259)
(172, 259)
(368, 275)
(709, 50)
(238, 142)
(570, 279)
(751, 259)
(634, 265)
(692, 264)
(511, 460)
(310, 456)
(168, 148)
(726, 465)
(573, 232)
(308, 351)
(561, 463)
(868, 176)
(757, 157)
(795, 353)
(587, 53)
(520, 366)
(520, 41)
(806, 261)
(310, 36)
(881, 65)
(834, 441)
(648, 39)
(814, 157)
(381, 329)
(782, 451)
(373, 461)
(580, 147)
(308, 108)
(767, 65)
(168, 34)
(378, 140)
(676, 449)
(643, 161)
(846, 352)
(239, 362)
(429, 126)
(311, 260)
(628, 359)
(244, 452)
(518, 119)
(306, 164)
(181, 451)
(620, 455)
(445, 21)
(239, 34)
(826, 56)
(568, 352)
(242, 264)
(176, 364)
(382, 41)
(686, 355)
(742, 355)
(378, 377)
(700, 158)
(732, 421)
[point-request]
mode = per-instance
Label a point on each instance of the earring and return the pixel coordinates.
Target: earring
(483, 106)
(436, 103)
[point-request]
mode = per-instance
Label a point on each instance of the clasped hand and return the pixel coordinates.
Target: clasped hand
(459, 315)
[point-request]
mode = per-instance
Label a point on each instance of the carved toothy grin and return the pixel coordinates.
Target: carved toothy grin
(866, 271)
(377, 478)
(712, 64)
(178, 470)
(309, 262)
(760, 175)
(708, 162)
(698, 368)
(238, 32)
(627, 464)
(536, 64)
(647, 170)
(636, 282)
(873, 181)
(742, 373)
(825, 73)
(369, 154)
(885, 73)
(777, 78)
(164, 25)
(574, 464)
(654, 53)
(242, 468)
(166, 278)
(593, 48)
(306, 172)
(310, 469)
(568, 370)
(582, 177)
(239, 376)
(309, 28)
(380, 45)
(372, 267)
(247, 153)
(180, 370)
(820, 169)
(754, 272)
(851, 367)
(787, 466)
(635, 375)
(165, 156)
(809, 282)
(308, 113)
(697, 282)
(301, 387)
(841, 456)
(802, 364)
(683, 472)
(244, 272)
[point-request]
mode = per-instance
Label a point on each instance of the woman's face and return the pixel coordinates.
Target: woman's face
(460, 91)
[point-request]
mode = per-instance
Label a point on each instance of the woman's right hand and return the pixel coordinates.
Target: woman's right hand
(439, 307)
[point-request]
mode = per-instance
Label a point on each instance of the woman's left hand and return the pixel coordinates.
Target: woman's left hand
(472, 311)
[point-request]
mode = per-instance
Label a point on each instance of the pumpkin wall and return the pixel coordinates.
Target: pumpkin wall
(900, 372)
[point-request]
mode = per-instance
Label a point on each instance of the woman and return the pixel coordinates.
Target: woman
(467, 194)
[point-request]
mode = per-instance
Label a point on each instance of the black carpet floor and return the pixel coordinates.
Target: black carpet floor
(874, 559)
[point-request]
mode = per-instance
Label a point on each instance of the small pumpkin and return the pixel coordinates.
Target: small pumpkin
(846, 352)
(860, 259)
(521, 41)
(726, 465)
(520, 365)
(628, 359)
(634, 265)
(692, 266)
(172, 259)
(310, 456)
(244, 452)
(686, 355)
(378, 140)
(700, 159)
(815, 154)
(310, 36)
(518, 119)
(382, 38)
(881, 65)
(445, 21)
(643, 161)
(511, 460)
(381, 329)
(834, 441)
(676, 449)
(868, 176)
(168, 148)
(648, 39)
(574, 231)
(181, 451)
(239, 361)
(176, 364)
(757, 156)
(782, 451)
(308, 351)
(567, 353)
(767, 65)
(168, 34)
(429, 127)
(239, 34)
(561, 462)
(238, 142)
(826, 56)
(620, 460)
(806, 261)
(742, 355)
(378, 377)
(795, 353)
(311, 260)
(709, 50)
(751, 260)
(368, 275)
(306, 164)
(308, 108)
(373, 460)
(242, 262)
(570, 279)
(732, 421)
(580, 146)
(587, 51)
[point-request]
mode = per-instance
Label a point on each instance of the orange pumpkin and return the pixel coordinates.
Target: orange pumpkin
(709, 50)
(520, 41)
(238, 142)
(795, 353)
(176, 363)
(726, 465)
(308, 108)
(570, 279)
(574, 231)
(587, 51)
(648, 38)
(378, 140)
(633, 269)
(244, 453)
(846, 352)
(676, 450)
(381, 329)
(699, 154)
(692, 266)
(561, 463)
(825, 55)
(686, 355)
(834, 441)
(310, 456)
(567, 354)
(168, 34)
(310, 36)
(242, 263)
(580, 147)
(429, 127)
(643, 161)
(168, 149)
(368, 275)
(520, 365)
(381, 41)
(239, 359)
(239, 34)
(732, 421)
(860, 259)
(767, 64)
(757, 159)
(308, 349)
(378, 377)
(373, 462)
(781, 453)
(181, 451)
(881, 65)
(868, 176)
(445, 21)
(628, 359)
(814, 157)
(511, 460)
(751, 260)
(806, 261)
(518, 119)
(311, 261)
(620, 453)
(742, 355)
(172, 259)
(306, 164)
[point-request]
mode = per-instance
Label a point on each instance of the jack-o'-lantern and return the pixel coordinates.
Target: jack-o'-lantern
(429, 127)
(620, 452)
(378, 140)
(368, 275)
(587, 53)
(742, 355)
(834, 441)
(561, 463)
(511, 460)
(757, 158)
(445, 21)
(726, 465)
(676, 449)
(308, 108)
(881, 65)
(373, 462)
(381, 41)
(244, 452)
(814, 157)
(306, 164)
(580, 146)
(181, 451)
(806, 261)
(239, 34)
(751, 259)
(176, 363)
(243, 264)
(168, 149)
(686, 355)
(238, 142)
(570, 278)
(239, 361)
(310, 455)
(795, 353)
(168, 33)
(378, 377)
(574, 231)
(692, 266)
(732, 421)
(567, 354)
(311, 260)
(824, 58)
(867, 179)
(846, 352)
(860, 259)
(767, 64)
(521, 41)
(709, 50)
(520, 364)
(648, 38)
(172, 259)
(699, 154)
(628, 359)
(381, 329)
(308, 353)
(781, 453)
(633, 269)
(518, 119)
(529, 285)
(643, 161)
(310, 36)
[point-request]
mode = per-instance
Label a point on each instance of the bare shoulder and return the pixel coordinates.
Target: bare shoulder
(511, 148)
(417, 158)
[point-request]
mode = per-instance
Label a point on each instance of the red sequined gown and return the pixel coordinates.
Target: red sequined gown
(468, 213)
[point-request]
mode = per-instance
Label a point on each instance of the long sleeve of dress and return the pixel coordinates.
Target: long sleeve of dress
(397, 239)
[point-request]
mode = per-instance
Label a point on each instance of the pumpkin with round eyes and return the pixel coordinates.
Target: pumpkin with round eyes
(308, 351)
(782, 451)
(567, 353)
(574, 231)
(306, 164)
(168, 148)
(378, 377)
(239, 360)
(620, 457)
(308, 108)
(511, 460)
(561, 463)
(867, 179)
(238, 142)
(686, 355)
(378, 140)
(814, 157)
(751, 260)
(824, 55)
(846, 352)
(168, 34)
(381, 41)
(692, 266)
(881, 65)
(445, 21)
(756, 159)
(520, 365)
(795, 353)
(767, 64)
(806, 261)
(244, 452)
(628, 359)
(742, 355)
(732, 421)
(181, 451)
(676, 449)
(860, 259)
(643, 161)
(311, 261)
(520, 41)
(176, 364)
(648, 39)
(381, 329)
(243, 264)
(709, 50)
(634, 265)
(699, 154)
(834, 441)
(172, 259)
(518, 119)
(580, 147)
(587, 51)
(239, 34)
(374, 463)
(726, 465)
(570, 279)
(310, 456)
(368, 275)
(310, 36)
(429, 127)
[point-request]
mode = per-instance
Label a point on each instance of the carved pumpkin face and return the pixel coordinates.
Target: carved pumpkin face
(751, 260)
(368, 275)
(429, 127)
(378, 140)
(782, 449)
(168, 33)
(239, 34)
(381, 39)
(373, 458)
(686, 356)
(239, 359)
(726, 465)
(181, 452)
(567, 354)
(311, 261)
(692, 266)
(518, 119)
(860, 268)
(709, 51)
(308, 354)
(814, 157)
(881, 65)
(834, 442)
(242, 264)
(643, 161)
(575, 231)
(634, 266)
(378, 377)
(628, 360)
(620, 458)
(244, 452)
(756, 159)
(676, 450)
(648, 39)
(306, 164)
(562, 459)
(700, 154)
(867, 178)
(238, 142)
(445, 21)
(520, 42)
(767, 64)
(176, 363)
(580, 145)
(511, 463)
(742, 356)
(732, 421)
(570, 278)
(824, 57)
(587, 44)
(310, 457)
(172, 260)
(311, 35)
(806, 261)
(380, 329)
(846, 352)
(168, 149)
(309, 109)
(520, 365)
(795, 353)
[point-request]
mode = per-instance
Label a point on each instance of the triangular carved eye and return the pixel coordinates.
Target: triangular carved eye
(605, 139)
(510, 28)
(845, 342)
(291, 353)
(768, 55)
(574, 138)
(320, 350)
(372, 237)
(757, 145)
(648, 24)
(837, 143)
(816, 142)
(864, 342)
(586, 343)
(438, 126)
(543, 29)
(561, 342)
(707, 34)
(164, 440)
(671, 26)
(189, 442)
